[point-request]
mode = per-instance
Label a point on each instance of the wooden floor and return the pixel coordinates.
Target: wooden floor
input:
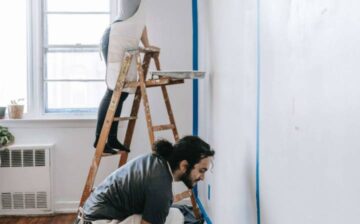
(51, 219)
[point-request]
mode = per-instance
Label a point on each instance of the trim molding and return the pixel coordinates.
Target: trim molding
(66, 206)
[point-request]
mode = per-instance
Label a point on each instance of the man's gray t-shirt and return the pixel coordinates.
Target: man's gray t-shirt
(142, 186)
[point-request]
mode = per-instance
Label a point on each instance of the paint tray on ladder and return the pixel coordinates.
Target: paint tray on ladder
(179, 74)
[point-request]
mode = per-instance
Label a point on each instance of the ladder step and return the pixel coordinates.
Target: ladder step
(149, 50)
(124, 118)
(121, 153)
(154, 83)
(163, 127)
(179, 74)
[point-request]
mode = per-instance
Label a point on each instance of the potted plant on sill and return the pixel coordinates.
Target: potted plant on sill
(2, 112)
(16, 109)
(6, 138)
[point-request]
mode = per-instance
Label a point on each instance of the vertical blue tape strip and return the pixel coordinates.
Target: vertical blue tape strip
(195, 67)
(258, 92)
(196, 95)
(203, 212)
(195, 81)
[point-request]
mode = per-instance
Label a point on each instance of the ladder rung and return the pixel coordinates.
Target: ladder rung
(179, 74)
(154, 83)
(149, 50)
(133, 51)
(163, 127)
(124, 118)
(109, 154)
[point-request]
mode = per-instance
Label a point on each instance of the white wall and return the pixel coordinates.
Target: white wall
(309, 108)
(227, 109)
(169, 27)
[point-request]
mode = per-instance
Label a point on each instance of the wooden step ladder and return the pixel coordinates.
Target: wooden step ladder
(140, 85)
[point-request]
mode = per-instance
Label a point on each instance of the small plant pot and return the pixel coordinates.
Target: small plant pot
(16, 111)
(2, 112)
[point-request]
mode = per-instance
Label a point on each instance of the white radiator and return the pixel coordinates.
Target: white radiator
(25, 180)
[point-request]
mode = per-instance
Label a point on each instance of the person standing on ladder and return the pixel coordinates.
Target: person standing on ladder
(140, 192)
(124, 33)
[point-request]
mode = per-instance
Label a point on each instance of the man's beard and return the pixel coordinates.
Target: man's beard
(185, 178)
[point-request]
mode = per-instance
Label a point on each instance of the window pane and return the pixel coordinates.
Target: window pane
(78, 5)
(74, 95)
(76, 29)
(13, 69)
(75, 65)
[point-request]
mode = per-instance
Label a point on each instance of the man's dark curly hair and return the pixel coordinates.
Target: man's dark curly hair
(189, 148)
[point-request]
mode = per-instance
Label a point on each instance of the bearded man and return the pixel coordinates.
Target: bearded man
(140, 192)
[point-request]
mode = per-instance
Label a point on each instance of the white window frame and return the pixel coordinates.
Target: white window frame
(36, 58)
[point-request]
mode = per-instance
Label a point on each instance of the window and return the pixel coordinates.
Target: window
(51, 55)
(13, 59)
(73, 72)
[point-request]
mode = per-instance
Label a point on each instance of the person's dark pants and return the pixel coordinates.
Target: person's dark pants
(104, 105)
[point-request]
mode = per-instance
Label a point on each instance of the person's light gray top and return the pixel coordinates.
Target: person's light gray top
(127, 8)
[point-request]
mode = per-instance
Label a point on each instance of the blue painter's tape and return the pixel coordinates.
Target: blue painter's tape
(209, 192)
(195, 67)
(203, 212)
(196, 95)
(258, 98)
(195, 35)
(195, 107)
(195, 191)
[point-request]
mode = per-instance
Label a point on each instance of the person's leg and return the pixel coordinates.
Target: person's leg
(107, 222)
(104, 105)
(134, 219)
(113, 141)
(175, 217)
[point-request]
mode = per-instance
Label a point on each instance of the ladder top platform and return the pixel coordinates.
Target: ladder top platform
(134, 51)
(180, 74)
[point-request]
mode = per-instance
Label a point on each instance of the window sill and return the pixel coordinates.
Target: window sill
(51, 120)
